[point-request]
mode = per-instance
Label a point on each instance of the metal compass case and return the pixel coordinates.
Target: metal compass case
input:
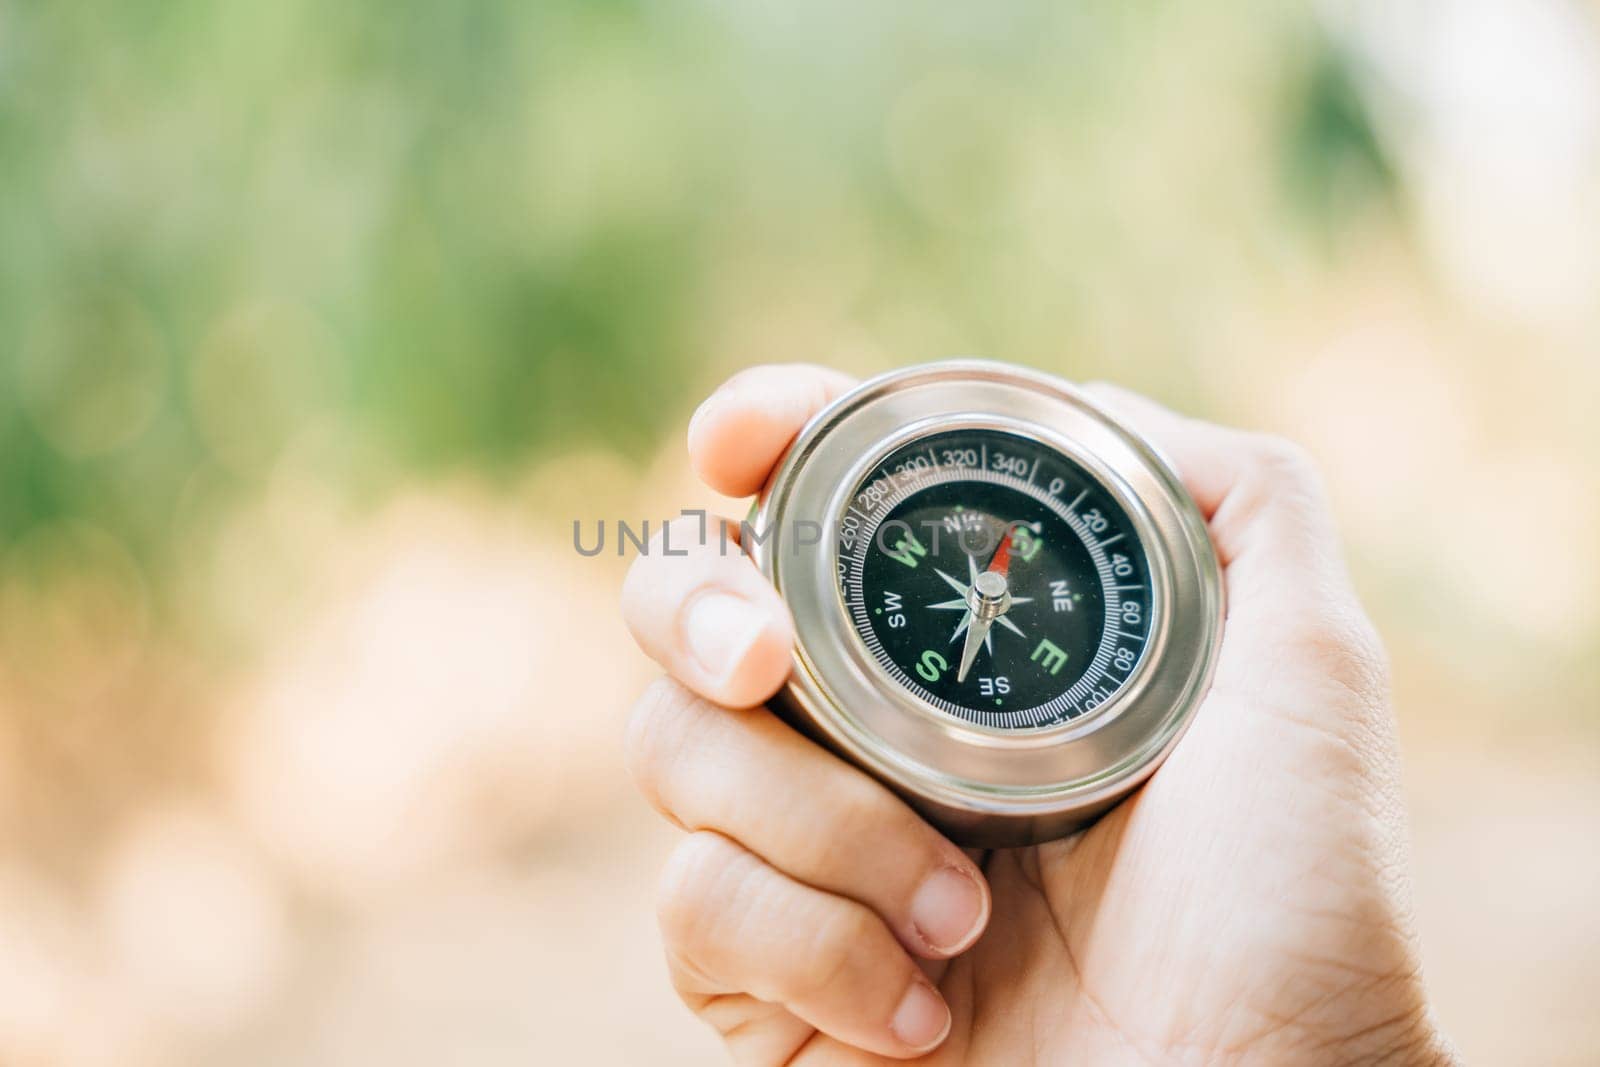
(1014, 608)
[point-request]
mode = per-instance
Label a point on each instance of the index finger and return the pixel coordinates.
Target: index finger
(1247, 485)
(1270, 518)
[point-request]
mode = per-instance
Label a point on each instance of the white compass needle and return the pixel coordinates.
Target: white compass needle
(977, 635)
(988, 600)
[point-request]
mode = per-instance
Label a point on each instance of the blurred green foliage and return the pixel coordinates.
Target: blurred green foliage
(473, 233)
(1334, 161)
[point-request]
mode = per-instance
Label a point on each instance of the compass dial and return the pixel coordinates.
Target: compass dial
(996, 579)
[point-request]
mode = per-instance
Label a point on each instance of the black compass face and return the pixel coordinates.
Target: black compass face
(996, 579)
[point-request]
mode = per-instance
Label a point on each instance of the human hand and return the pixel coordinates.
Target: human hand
(1249, 903)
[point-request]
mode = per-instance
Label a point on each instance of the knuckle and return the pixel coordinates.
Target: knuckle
(690, 888)
(856, 809)
(1282, 484)
(1344, 649)
(655, 733)
(859, 805)
(835, 943)
(1283, 468)
(1282, 460)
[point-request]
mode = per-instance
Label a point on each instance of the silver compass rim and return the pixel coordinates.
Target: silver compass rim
(987, 785)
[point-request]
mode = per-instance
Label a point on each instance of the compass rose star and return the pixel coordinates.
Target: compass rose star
(960, 604)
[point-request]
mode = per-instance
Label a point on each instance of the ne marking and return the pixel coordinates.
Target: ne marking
(1110, 540)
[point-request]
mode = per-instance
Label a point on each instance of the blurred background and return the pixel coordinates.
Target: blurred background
(320, 324)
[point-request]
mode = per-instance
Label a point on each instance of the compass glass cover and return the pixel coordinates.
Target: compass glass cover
(993, 552)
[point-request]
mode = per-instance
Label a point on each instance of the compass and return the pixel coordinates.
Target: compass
(1006, 605)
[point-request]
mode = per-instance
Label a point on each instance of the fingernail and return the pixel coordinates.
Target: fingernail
(719, 629)
(708, 405)
(922, 1019)
(948, 909)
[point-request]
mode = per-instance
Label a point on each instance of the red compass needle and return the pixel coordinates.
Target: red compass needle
(1001, 560)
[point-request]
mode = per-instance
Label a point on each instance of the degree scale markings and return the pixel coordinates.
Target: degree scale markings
(880, 499)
